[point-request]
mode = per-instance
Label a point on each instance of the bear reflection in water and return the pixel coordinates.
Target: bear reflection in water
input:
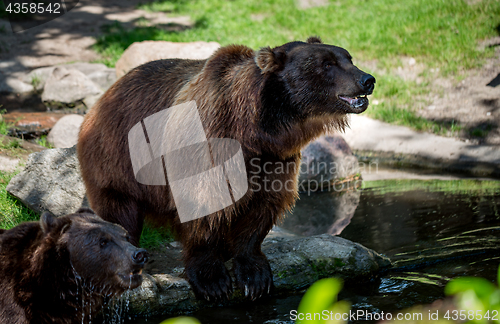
(62, 270)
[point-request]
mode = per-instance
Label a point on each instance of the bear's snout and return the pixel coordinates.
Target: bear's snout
(140, 257)
(367, 83)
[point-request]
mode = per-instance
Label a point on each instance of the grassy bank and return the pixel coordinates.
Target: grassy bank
(12, 211)
(439, 34)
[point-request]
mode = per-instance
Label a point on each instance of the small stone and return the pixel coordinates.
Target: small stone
(412, 61)
(64, 134)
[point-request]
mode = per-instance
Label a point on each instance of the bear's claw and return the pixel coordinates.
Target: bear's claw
(212, 284)
(253, 276)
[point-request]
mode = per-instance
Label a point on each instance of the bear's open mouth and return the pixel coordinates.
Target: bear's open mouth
(132, 279)
(356, 102)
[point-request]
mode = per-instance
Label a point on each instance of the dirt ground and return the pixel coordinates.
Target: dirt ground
(473, 102)
(70, 37)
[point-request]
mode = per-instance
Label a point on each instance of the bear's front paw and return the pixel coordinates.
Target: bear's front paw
(210, 281)
(253, 275)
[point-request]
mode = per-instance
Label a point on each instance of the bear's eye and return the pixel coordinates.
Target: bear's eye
(328, 65)
(104, 242)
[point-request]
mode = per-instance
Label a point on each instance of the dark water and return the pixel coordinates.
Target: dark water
(432, 231)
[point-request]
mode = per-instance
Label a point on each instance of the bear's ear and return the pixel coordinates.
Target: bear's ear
(84, 210)
(314, 40)
(47, 222)
(268, 60)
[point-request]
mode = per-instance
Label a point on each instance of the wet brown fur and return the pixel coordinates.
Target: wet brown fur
(42, 281)
(228, 89)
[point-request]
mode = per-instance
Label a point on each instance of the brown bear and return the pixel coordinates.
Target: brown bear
(273, 102)
(61, 270)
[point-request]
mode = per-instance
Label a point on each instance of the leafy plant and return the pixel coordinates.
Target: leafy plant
(181, 320)
(477, 298)
(35, 81)
(321, 298)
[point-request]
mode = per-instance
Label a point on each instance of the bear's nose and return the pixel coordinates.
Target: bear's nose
(140, 257)
(367, 83)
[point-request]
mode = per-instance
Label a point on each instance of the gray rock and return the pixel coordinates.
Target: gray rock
(103, 78)
(64, 134)
(86, 68)
(51, 181)
(296, 263)
(326, 161)
(141, 52)
(91, 100)
(11, 84)
(68, 85)
(41, 75)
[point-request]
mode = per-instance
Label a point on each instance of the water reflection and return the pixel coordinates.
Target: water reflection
(322, 212)
(432, 230)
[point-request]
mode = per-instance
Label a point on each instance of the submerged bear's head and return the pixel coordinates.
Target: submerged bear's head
(319, 79)
(100, 253)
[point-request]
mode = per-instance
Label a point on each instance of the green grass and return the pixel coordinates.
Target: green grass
(12, 211)
(42, 141)
(399, 101)
(13, 144)
(155, 237)
(4, 127)
(478, 187)
(440, 34)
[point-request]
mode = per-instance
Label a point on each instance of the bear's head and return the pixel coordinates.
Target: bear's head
(318, 79)
(99, 252)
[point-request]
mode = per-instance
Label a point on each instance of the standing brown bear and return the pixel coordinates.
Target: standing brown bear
(273, 102)
(60, 270)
